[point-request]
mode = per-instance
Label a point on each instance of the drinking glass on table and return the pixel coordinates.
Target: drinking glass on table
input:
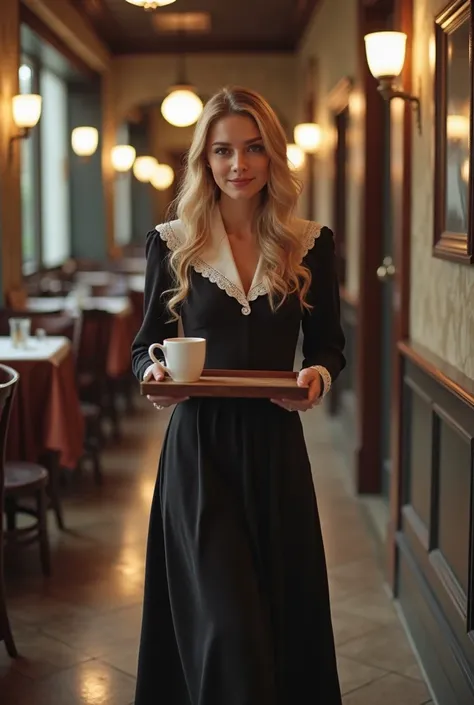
(19, 331)
(40, 335)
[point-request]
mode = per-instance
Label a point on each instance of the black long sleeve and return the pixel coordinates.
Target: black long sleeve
(156, 324)
(324, 341)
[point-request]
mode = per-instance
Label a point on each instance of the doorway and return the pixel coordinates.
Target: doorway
(384, 275)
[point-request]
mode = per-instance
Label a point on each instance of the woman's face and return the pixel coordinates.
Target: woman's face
(237, 157)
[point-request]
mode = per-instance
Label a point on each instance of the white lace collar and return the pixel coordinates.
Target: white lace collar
(216, 262)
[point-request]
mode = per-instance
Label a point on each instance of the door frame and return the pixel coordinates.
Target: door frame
(311, 93)
(338, 102)
(373, 15)
(402, 135)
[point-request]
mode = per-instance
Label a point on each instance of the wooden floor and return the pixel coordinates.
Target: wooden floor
(78, 632)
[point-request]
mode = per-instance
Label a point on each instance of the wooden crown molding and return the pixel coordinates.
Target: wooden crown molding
(73, 29)
(28, 17)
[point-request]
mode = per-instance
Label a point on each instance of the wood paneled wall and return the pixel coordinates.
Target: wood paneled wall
(435, 541)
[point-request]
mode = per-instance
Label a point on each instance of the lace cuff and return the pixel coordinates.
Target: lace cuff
(147, 373)
(327, 381)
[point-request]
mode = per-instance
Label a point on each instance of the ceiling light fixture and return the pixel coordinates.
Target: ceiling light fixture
(182, 106)
(150, 4)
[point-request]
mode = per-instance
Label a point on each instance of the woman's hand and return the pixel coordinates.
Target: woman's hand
(307, 378)
(156, 372)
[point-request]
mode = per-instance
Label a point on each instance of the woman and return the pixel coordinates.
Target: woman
(236, 608)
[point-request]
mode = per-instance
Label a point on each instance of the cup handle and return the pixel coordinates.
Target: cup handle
(155, 359)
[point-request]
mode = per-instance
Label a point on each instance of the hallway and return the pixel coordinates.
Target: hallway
(78, 634)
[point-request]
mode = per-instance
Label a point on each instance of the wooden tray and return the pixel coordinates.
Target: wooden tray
(254, 384)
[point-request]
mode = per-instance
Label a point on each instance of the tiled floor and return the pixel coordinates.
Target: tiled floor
(78, 632)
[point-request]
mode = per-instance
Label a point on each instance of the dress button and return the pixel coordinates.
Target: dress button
(246, 310)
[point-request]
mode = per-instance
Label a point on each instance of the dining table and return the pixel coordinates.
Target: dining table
(123, 325)
(46, 413)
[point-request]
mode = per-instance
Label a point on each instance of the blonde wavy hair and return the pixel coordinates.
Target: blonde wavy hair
(279, 240)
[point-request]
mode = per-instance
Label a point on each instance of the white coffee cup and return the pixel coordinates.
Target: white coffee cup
(184, 358)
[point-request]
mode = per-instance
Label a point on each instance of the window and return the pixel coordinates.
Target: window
(55, 220)
(46, 240)
(29, 176)
(123, 196)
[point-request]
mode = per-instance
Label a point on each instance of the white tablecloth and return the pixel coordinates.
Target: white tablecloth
(136, 282)
(52, 348)
(117, 305)
(96, 278)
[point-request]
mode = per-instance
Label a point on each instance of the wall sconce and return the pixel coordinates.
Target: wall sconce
(144, 168)
(162, 177)
(26, 110)
(457, 128)
(296, 156)
(308, 137)
(123, 156)
(84, 141)
(385, 56)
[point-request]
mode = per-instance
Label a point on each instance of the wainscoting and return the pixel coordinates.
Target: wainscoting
(435, 541)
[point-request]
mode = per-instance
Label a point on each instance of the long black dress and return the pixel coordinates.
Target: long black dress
(236, 608)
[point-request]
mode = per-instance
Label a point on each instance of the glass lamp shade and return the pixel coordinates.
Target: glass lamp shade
(26, 110)
(163, 177)
(457, 127)
(385, 53)
(123, 156)
(150, 4)
(144, 168)
(295, 156)
(84, 141)
(308, 137)
(182, 107)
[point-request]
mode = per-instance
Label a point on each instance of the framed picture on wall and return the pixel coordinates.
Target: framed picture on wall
(453, 199)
